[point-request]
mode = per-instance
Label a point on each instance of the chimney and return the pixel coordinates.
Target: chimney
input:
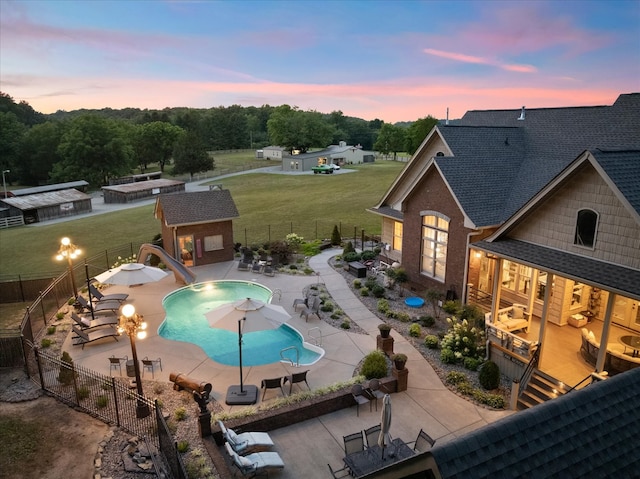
(521, 114)
(447, 121)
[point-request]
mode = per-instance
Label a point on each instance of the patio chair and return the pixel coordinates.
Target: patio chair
(272, 383)
(243, 266)
(116, 363)
(98, 296)
(150, 364)
(359, 395)
(314, 309)
(334, 473)
(300, 302)
(371, 435)
(84, 337)
(256, 268)
(353, 443)
(373, 390)
(246, 442)
(296, 378)
(98, 306)
(86, 322)
(255, 463)
(423, 442)
(269, 270)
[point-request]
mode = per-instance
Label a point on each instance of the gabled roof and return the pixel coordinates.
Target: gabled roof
(49, 188)
(499, 162)
(41, 200)
(196, 207)
(587, 433)
(623, 168)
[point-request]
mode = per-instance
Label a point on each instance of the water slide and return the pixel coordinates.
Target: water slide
(180, 271)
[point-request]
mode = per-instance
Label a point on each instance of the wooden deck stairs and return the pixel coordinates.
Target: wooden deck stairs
(541, 388)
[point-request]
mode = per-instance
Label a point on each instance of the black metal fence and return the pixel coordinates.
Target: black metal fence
(169, 448)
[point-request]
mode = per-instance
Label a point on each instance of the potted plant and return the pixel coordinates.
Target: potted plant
(399, 360)
(385, 330)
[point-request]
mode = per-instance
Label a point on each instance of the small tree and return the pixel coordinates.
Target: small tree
(66, 369)
(434, 297)
(336, 239)
(401, 278)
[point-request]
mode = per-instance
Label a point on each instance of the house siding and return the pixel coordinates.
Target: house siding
(553, 223)
(432, 194)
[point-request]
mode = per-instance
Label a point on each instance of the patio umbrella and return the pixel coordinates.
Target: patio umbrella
(248, 315)
(129, 274)
(385, 423)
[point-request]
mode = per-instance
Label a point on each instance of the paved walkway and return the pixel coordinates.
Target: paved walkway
(306, 448)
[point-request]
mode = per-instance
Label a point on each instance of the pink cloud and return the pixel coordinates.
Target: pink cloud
(459, 57)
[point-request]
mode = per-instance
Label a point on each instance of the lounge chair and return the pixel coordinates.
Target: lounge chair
(269, 270)
(255, 463)
(98, 296)
(99, 305)
(246, 442)
(271, 384)
(256, 268)
(243, 266)
(86, 322)
(296, 378)
(84, 337)
(314, 309)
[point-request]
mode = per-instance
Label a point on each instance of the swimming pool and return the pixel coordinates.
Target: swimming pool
(185, 321)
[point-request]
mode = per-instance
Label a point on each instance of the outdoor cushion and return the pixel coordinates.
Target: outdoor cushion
(503, 318)
(232, 437)
(517, 313)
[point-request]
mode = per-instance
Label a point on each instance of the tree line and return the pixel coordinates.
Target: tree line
(96, 145)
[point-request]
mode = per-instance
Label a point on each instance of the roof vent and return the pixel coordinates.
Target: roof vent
(521, 114)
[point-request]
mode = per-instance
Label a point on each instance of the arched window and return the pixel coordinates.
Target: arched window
(586, 227)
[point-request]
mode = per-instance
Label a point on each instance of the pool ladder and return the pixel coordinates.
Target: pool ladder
(289, 360)
(317, 340)
(274, 292)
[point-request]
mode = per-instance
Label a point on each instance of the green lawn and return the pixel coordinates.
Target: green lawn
(268, 203)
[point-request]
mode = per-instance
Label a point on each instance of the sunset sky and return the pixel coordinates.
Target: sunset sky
(392, 60)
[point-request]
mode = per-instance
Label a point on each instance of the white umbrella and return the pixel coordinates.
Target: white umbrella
(247, 315)
(384, 438)
(131, 273)
(257, 314)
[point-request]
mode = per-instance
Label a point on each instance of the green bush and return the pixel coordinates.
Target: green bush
(464, 339)
(431, 341)
(51, 330)
(293, 267)
(451, 307)
(59, 315)
(378, 291)
(83, 392)
(368, 255)
(348, 248)
(66, 373)
(415, 330)
(455, 378)
(71, 301)
(427, 321)
(371, 282)
(327, 307)
(352, 256)
(403, 317)
(383, 306)
(472, 364)
(364, 292)
(46, 343)
(447, 356)
(489, 375)
(180, 414)
(102, 401)
(336, 239)
(346, 324)
(357, 284)
(374, 365)
(183, 446)
(307, 270)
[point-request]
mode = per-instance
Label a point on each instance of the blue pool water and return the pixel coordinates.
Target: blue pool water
(185, 321)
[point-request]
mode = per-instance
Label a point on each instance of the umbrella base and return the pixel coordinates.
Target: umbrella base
(235, 397)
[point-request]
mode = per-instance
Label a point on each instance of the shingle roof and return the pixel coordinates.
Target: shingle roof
(587, 433)
(51, 198)
(197, 207)
(623, 167)
(549, 138)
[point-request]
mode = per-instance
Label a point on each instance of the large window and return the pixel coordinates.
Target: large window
(397, 236)
(435, 237)
(586, 226)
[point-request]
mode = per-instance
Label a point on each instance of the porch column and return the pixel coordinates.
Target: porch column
(604, 337)
(497, 286)
(545, 311)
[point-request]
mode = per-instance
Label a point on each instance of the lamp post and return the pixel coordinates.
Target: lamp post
(4, 183)
(69, 251)
(133, 324)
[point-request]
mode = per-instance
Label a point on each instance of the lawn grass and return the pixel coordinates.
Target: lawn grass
(262, 199)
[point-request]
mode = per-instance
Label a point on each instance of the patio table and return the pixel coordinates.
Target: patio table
(364, 462)
(632, 342)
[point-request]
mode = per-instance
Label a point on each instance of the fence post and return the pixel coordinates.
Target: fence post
(115, 400)
(355, 236)
(269, 232)
(246, 243)
(36, 353)
(21, 288)
(362, 238)
(44, 315)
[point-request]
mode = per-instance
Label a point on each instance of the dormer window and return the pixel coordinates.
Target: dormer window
(586, 227)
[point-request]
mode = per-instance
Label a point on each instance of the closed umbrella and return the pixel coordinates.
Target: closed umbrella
(129, 274)
(384, 438)
(247, 315)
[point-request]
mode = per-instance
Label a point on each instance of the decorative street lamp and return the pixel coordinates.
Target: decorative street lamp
(4, 183)
(69, 251)
(133, 324)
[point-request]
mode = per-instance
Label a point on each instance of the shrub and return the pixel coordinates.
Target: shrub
(352, 256)
(464, 339)
(473, 314)
(427, 321)
(66, 373)
(415, 330)
(383, 306)
(327, 307)
(489, 376)
(348, 248)
(307, 270)
(357, 284)
(294, 241)
(293, 267)
(51, 330)
(431, 341)
(374, 365)
(378, 291)
(456, 377)
(59, 315)
(471, 364)
(71, 301)
(336, 239)
(180, 414)
(451, 307)
(371, 282)
(346, 324)
(183, 446)
(403, 317)
(45, 343)
(367, 255)
(102, 401)
(447, 356)
(83, 392)
(364, 292)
